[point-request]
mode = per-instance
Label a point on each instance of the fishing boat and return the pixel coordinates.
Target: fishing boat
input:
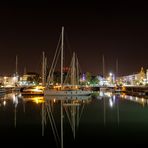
(70, 88)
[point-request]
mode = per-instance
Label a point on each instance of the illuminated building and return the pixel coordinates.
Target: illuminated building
(29, 79)
(134, 79)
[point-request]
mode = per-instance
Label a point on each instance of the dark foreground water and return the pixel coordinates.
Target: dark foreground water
(106, 119)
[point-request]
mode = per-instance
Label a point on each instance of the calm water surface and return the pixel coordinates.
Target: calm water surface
(72, 122)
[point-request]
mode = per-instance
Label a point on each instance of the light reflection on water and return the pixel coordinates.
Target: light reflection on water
(71, 120)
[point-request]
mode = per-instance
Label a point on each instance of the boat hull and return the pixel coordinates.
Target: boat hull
(32, 91)
(66, 93)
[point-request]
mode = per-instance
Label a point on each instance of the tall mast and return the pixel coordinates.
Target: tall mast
(116, 68)
(62, 44)
(103, 65)
(16, 70)
(77, 71)
(73, 76)
(43, 69)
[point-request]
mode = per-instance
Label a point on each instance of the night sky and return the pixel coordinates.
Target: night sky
(117, 30)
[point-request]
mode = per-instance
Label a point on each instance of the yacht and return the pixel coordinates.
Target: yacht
(70, 88)
(32, 90)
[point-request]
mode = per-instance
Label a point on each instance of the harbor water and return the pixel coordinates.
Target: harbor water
(106, 118)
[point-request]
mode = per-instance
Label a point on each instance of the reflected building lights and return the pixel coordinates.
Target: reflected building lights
(37, 100)
(108, 94)
(110, 103)
(131, 97)
(114, 98)
(141, 101)
(101, 94)
(4, 103)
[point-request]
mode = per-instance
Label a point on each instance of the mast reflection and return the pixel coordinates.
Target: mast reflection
(72, 107)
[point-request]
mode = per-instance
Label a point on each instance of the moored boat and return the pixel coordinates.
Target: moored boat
(33, 90)
(66, 92)
(72, 75)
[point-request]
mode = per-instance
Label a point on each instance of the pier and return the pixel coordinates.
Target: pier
(136, 90)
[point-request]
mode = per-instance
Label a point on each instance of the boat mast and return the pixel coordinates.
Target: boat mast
(16, 71)
(43, 70)
(73, 70)
(103, 64)
(77, 71)
(62, 43)
(116, 68)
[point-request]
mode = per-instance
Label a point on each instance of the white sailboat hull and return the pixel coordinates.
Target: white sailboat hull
(32, 91)
(49, 97)
(66, 93)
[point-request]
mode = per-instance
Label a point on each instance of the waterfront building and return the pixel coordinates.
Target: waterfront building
(133, 79)
(9, 81)
(29, 79)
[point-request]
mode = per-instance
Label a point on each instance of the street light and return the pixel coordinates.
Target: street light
(110, 74)
(111, 78)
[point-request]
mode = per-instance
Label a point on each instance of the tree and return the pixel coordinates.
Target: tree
(88, 77)
(94, 80)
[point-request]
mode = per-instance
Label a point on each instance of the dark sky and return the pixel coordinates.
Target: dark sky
(117, 30)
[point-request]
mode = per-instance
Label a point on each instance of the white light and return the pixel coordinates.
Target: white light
(131, 98)
(110, 103)
(110, 74)
(101, 94)
(13, 98)
(114, 98)
(4, 103)
(14, 78)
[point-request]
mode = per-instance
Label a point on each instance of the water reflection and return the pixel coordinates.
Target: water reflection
(111, 101)
(14, 99)
(66, 113)
(140, 100)
(72, 107)
(35, 99)
(113, 97)
(10, 97)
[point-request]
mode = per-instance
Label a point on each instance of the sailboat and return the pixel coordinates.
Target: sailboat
(72, 88)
